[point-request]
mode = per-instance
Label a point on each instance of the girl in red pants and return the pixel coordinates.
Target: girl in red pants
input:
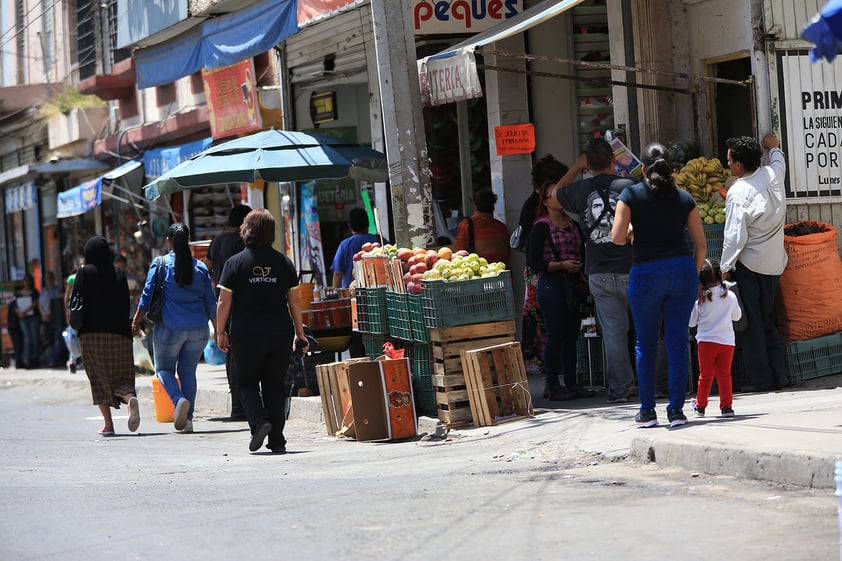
(714, 313)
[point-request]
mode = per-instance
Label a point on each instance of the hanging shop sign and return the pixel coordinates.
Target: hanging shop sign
(515, 139)
(21, 197)
(159, 161)
(81, 199)
(461, 16)
(232, 99)
(449, 79)
(811, 107)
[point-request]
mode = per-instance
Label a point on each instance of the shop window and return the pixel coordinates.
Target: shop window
(165, 95)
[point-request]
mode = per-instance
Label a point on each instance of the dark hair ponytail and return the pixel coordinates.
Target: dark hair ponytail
(658, 169)
(710, 276)
(179, 234)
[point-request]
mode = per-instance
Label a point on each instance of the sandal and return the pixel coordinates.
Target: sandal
(106, 431)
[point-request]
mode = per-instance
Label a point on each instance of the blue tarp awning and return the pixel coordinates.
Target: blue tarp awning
(88, 195)
(159, 161)
(219, 42)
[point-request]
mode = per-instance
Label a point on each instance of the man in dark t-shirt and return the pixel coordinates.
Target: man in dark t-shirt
(606, 264)
(222, 247)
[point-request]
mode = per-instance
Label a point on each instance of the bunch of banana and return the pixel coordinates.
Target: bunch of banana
(701, 177)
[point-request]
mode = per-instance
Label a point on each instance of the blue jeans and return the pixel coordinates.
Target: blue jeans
(665, 289)
(562, 324)
(610, 294)
(31, 327)
(179, 351)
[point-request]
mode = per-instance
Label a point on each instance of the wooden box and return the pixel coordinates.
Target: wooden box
(452, 400)
(496, 382)
(384, 406)
(335, 392)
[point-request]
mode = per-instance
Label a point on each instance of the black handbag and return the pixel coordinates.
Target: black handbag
(156, 302)
(76, 305)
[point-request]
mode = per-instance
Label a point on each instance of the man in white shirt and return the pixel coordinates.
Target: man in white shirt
(753, 254)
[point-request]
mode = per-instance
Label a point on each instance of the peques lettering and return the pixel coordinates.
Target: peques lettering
(463, 10)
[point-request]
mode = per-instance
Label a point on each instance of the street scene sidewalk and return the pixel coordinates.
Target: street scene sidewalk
(792, 436)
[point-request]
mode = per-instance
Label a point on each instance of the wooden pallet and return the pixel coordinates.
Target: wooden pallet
(498, 390)
(452, 399)
(334, 390)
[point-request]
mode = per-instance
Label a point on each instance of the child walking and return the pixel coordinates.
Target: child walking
(714, 313)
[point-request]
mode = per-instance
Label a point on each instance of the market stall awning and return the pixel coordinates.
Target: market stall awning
(66, 166)
(451, 75)
(159, 161)
(88, 195)
(219, 41)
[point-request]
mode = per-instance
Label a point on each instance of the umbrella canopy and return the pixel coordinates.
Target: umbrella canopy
(273, 155)
(826, 32)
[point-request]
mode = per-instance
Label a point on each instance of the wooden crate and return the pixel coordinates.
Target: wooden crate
(336, 397)
(495, 378)
(452, 402)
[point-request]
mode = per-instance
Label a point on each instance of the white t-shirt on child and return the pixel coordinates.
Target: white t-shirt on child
(715, 317)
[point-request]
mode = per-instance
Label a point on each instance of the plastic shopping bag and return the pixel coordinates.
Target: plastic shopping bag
(142, 361)
(71, 340)
(213, 355)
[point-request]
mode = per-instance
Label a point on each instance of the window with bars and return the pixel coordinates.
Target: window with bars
(96, 20)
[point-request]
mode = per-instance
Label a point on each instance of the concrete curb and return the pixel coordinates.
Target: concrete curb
(788, 468)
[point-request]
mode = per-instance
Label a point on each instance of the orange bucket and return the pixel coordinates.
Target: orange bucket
(164, 408)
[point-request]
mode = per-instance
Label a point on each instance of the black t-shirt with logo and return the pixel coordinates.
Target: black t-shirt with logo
(259, 279)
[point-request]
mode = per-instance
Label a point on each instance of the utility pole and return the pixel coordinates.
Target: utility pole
(403, 124)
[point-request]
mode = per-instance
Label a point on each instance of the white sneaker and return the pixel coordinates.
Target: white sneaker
(188, 428)
(134, 414)
(181, 410)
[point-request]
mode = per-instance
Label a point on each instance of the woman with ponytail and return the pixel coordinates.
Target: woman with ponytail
(663, 283)
(180, 337)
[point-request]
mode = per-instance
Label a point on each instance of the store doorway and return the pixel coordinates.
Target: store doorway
(733, 109)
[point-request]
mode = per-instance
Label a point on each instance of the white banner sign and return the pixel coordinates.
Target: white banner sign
(450, 79)
(461, 16)
(811, 107)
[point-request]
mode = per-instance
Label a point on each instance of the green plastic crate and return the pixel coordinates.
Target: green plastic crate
(447, 304)
(373, 343)
(814, 358)
(362, 310)
(397, 311)
(377, 315)
(422, 379)
(415, 306)
(714, 236)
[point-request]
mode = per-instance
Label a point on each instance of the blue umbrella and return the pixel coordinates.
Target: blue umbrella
(273, 155)
(825, 30)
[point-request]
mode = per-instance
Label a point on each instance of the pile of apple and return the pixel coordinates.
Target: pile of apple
(429, 264)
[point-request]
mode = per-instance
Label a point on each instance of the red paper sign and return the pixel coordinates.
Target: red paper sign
(515, 139)
(232, 99)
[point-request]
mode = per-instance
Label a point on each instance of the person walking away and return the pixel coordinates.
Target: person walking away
(70, 336)
(607, 264)
(663, 282)
(257, 292)
(222, 247)
(180, 337)
(52, 315)
(343, 261)
(105, 334)
(554, 251)
(753, 254)
(30, 322)
(15, 330)
(482, 233)
(533, 333)
(714, 315)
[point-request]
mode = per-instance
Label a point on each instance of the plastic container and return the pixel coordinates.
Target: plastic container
(814, 358)
(164, 408)
(448, 304)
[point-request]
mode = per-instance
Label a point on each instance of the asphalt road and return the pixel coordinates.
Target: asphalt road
(68, 494)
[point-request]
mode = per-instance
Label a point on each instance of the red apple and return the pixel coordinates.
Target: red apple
(417, 278)
(461, 253)
(404, 254)
(407, 278)
(416, 288)
(418, 268)
(431, 259)
(413, 260)
(367, 246)
(358, 255)
(410, 287)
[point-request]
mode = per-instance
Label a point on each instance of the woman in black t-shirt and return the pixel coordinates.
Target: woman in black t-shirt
(264, 329)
